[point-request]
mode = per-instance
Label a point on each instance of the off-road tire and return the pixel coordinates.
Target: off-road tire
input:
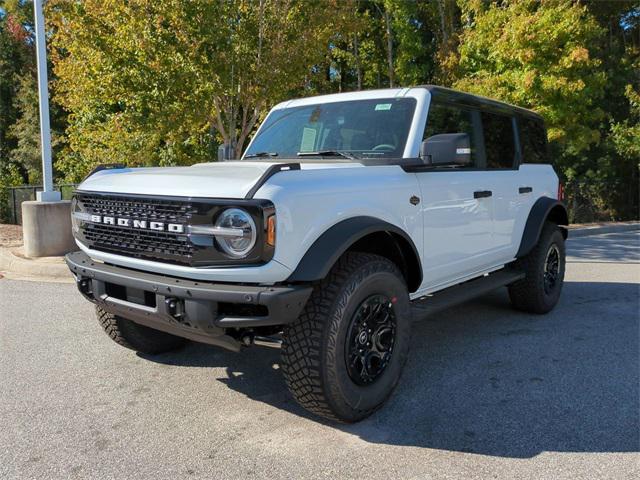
(314, 347)
(529, 294)
(137, 337)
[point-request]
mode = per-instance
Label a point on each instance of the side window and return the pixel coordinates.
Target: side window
(533, 140)
(444, 118)
(499, 145)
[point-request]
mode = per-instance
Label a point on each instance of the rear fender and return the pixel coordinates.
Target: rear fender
(545, 209)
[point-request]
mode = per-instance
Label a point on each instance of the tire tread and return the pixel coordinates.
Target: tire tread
(301, 354)
(528, 294)
(136, 337)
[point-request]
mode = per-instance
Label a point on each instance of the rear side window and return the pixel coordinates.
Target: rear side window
(499, 140)
(451, 119)
(533, 141)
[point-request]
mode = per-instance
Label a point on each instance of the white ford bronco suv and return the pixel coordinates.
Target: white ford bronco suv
(345, 212)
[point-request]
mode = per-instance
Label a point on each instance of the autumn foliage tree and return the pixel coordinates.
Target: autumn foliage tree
(162, 81)
(165, 82)
(537, 55)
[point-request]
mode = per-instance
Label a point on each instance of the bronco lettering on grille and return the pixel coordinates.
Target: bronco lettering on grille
(135, 223)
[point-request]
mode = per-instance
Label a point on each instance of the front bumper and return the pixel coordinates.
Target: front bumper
(200, 311)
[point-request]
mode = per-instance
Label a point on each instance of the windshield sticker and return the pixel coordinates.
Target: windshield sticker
(308, 139)
(383, 106)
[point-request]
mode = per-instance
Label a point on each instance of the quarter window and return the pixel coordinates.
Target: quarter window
(533, 140)
(450, 119)
(499, 142)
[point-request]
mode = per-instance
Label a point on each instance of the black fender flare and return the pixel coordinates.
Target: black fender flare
(335, 241)
(544, 208)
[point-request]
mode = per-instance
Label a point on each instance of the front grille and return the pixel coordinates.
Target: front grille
(140, 243)
(152, 209)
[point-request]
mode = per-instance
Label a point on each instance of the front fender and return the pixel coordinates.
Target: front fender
(333, 243)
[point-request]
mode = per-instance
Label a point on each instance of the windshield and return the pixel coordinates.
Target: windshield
(354, 129)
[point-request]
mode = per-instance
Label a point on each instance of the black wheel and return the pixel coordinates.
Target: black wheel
(344, 355)
(544, 268)
(137, 337)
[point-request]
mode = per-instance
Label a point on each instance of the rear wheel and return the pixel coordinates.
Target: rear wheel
(544, 270)
(137, 337)
(343, 357)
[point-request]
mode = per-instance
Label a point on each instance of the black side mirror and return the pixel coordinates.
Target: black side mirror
(447, 149)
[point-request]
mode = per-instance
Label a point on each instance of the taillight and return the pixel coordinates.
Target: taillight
(560, 192)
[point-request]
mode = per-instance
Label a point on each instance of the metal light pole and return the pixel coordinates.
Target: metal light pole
(48, 194)
(46, 222)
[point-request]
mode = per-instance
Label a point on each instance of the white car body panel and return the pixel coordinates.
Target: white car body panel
(457, 236)
(309, 202)
(295, 194)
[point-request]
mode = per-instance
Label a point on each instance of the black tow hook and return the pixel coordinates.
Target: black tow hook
(247, 339)
(175, 307)
(85, 286)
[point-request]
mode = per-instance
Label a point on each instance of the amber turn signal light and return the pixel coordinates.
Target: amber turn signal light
(271, 230)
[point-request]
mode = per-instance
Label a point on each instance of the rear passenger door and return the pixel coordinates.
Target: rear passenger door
(509, 192)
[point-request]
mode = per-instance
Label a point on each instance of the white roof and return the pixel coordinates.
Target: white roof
(344, 97)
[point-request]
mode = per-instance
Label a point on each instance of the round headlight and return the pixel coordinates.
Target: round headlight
(237, 232)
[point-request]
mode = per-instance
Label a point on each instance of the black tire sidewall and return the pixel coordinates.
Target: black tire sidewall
(351, 400)
(554, 237)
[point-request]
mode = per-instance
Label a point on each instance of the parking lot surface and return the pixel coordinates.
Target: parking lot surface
(487, 393)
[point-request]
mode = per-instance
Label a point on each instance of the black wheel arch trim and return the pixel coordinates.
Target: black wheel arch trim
(544, 208)
(335, 241)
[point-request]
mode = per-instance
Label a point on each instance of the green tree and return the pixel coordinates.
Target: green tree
(160, 82)
(382, 43)
(626, 135)
(537, 54)
(16, 61)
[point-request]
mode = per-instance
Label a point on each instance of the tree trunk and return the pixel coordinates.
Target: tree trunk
(443, 27)
(260, 29)
(387, 20)
(356, 54)
(247, 127)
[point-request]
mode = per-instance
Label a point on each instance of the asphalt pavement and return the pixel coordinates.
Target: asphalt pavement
(487, 393)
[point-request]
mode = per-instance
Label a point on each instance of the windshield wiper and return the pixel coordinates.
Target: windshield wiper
(261, 155)
(328, 153)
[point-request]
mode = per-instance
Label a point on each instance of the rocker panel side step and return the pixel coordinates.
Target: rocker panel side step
(463, 292)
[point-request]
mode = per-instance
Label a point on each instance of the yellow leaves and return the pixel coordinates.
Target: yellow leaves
(556, 134)
(529, 79)
(527, 55)
(537, 56)
(579, 55)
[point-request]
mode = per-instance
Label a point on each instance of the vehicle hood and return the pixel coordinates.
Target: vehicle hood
(214, 180)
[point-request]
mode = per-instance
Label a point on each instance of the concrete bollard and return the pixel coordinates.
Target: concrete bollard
(46, 229)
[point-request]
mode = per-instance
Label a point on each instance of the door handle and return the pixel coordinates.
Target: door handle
(525, 190)
(482, 194)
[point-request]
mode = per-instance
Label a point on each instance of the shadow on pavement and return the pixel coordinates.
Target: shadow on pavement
(608, 248)
(482, 378)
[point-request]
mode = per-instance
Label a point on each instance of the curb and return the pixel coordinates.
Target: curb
(586, 231)
(54, 269)
(46, 269)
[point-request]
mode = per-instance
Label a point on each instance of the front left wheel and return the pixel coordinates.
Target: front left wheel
(137, 337)
(344, 355)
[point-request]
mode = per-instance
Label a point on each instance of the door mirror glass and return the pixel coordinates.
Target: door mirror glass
(447, 149)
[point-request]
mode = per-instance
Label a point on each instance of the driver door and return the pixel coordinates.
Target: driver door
(457, 215)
